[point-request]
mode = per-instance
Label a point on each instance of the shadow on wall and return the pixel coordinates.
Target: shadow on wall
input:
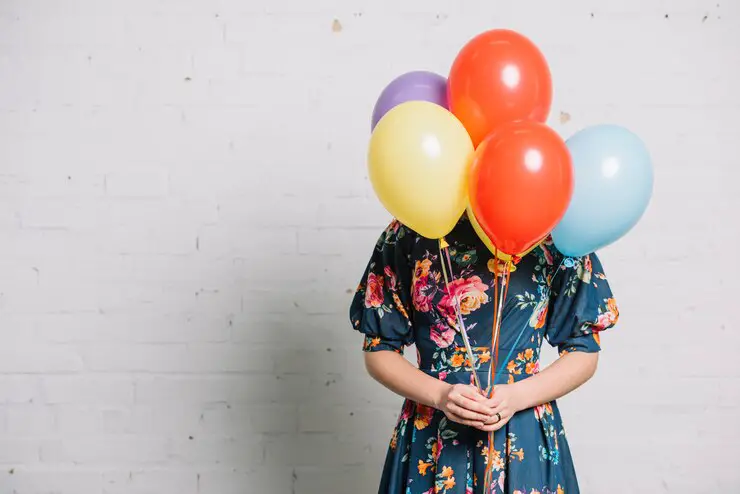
(323, 424)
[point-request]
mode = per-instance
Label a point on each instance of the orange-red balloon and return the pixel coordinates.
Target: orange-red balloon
(500, 76)
(520, 184)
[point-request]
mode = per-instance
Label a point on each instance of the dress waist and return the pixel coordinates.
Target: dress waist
(452, 364)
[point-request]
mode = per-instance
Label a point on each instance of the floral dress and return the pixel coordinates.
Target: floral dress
(403, 300)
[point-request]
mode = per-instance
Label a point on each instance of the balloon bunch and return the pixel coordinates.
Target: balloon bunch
(477, 141)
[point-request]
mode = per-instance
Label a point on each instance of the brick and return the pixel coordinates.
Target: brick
(150, 183)
(336, 479)
(178, 30)
(77, 420)
(221, 419)
(193, 358)
(56, 214)
(19, 389)
(346, 419)
(105, 450)
(240, 418)
(285, 211)
(123, 327)
(45, 479)
(247, 32)
(30, 420)
(227, 390)
(232, 451)
(54, 298)
(67, 186)
(225, 241)
(51, 30)
(246, 480)
(299, 361)
(40, 359)
(336, 241)
(168, 68)
(19, 450)
(162, 210)
(274, 418)
(323, 450)
(164, 418)
(32, 245)
(88, 390)
(150, 482)
(141, 358)
(188, 391)
(218, 62)
(149, 239)
(352, 213)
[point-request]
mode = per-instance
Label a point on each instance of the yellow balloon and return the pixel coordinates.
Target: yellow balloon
(484, 238)
(418, 163)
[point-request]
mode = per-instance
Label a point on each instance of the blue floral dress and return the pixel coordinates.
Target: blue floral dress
(403, 300)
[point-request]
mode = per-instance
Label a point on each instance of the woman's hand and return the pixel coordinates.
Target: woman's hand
(465, 405)
(506, 401)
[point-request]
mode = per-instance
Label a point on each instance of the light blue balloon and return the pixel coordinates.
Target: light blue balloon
(613, 185)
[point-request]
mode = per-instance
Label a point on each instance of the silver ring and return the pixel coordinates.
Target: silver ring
(498, 415)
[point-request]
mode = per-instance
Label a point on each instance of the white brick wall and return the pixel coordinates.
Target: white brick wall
(184, 211)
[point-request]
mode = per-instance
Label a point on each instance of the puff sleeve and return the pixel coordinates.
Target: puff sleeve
(581, 306)
(381, 307)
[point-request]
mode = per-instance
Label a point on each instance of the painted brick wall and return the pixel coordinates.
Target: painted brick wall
(184, 212)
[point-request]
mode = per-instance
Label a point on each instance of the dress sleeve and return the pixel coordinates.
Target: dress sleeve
(381, 308)
(582, 305)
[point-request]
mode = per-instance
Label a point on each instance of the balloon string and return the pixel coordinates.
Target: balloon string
(502, 271)
(500, 297)
(505, 292)
(444, 253)
(488, 479)
(505, 278)
(493, 327)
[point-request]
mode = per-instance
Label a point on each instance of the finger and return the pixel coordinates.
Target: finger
(495, 401)
(501, 408)
(469, 404)
(466, 413)
(498, 415)
(492, 419)
(460, 420)
(498, 394)
(473, 393)
(494, 427)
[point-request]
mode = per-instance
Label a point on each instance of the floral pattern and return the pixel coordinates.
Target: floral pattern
(470, 293)
(403, 300)
(526, 362)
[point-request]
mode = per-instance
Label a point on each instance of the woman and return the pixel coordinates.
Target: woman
(440, 444)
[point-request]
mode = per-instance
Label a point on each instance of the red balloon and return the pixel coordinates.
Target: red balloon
(500, 76)
(520, 184)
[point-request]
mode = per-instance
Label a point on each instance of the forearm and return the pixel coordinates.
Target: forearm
(394, 372)
(564, 375)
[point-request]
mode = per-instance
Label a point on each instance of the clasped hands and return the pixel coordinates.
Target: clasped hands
(467, 405)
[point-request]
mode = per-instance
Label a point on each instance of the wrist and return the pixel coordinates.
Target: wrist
(518, 396)
(439, 393)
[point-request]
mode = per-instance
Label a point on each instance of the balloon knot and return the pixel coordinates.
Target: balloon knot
(500, 267)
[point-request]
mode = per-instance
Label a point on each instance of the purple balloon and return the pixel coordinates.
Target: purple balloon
(412, 86)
